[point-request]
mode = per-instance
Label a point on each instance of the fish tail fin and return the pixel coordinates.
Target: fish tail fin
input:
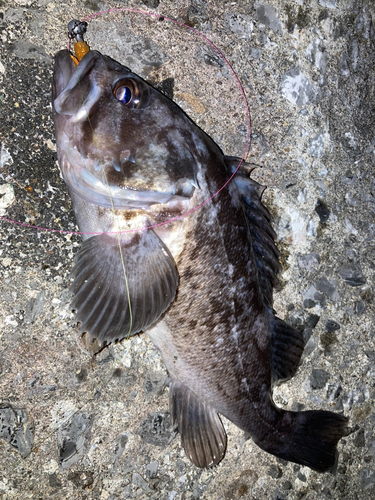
(312, 439)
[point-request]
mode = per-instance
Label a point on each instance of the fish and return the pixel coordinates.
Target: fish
(162, 255)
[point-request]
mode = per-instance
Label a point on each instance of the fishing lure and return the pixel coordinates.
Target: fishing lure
(76, 30)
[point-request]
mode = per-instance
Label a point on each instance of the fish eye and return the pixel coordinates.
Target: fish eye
(123, 94)
(131, 92)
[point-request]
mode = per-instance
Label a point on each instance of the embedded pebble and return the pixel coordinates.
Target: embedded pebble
(73, 439)
(269, 16)
(352, 275)
(318, 378)
(332, 326)
(298, 89)
(16, 428)
(309, 261)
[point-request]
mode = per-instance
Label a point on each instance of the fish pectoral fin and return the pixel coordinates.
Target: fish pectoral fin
(202, 433)
(287, 347)
(122, 284)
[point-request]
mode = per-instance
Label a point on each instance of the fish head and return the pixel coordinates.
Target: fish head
(120, 142)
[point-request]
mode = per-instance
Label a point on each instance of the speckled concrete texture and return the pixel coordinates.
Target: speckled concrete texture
(77, 427)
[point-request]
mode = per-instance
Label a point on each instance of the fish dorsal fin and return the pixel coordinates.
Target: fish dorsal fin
(286, 342)
(202, 433)
(259, 220)
(105, 279)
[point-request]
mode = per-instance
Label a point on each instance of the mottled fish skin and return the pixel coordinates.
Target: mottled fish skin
(201, 286)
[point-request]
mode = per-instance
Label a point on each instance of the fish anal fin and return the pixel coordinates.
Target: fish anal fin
(114, 272)
(202, 433)
(286, 349)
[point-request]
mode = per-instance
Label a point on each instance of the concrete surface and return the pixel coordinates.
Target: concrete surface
(82, 428)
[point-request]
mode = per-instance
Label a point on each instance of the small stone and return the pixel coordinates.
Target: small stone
(287, 485)
(352, 275)
(54, 481)
(180, 465)
(315, 53)
(310, 346)
(239, 24)
(73, 439)
(140, 482)
(317, 146)
(152, 469)
(322, 210)
(7, 197)
(6, 262)
(275, 471)
(34, 307)
(269, 16)
(359, 439)
(318, 379)
(13, 15)
(153, 4)
(301, 476)
(333, 391)
(279, 496)
(312, 321)
(255, 53)
(368, 479)
(332, 326)
(360, 307)
(309, 261)
(155, 429)
(298, 89)
(350, 144)
(16, 428)
(81, 479)
(330, 4)
(327, 287)
(311, 298)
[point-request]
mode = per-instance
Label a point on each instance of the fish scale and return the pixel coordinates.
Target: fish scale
(201, 284)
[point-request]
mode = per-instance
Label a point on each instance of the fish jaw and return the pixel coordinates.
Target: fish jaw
(115, 156)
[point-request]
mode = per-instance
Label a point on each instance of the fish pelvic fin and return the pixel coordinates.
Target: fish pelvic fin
(310, 438)
(202, 433)
(122, 285)
(286, 349)
(259, 222)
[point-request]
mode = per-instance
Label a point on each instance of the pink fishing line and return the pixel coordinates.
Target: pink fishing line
(159, 16)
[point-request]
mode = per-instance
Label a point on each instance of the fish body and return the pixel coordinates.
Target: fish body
(200, 285)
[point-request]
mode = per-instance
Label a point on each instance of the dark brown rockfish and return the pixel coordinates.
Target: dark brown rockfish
(202, 285)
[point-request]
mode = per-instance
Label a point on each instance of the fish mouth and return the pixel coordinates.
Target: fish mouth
(95, 191)
(66, 75)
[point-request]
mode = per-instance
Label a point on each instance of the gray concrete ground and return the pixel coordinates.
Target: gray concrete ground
(83, 428)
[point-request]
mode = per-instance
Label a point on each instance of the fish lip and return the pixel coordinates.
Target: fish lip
(80, 182)
(62, 72)
(66, 75)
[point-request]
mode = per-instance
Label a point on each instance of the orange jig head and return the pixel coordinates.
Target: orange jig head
(76, 30)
